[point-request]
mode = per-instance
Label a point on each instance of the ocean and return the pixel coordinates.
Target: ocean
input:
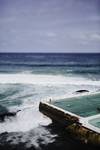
(28, 78)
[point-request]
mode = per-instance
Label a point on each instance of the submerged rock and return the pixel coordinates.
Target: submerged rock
(8, 114)
(98, 108)
(4, 112)
(3, 109)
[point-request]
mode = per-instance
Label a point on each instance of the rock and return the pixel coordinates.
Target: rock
(98, 108)
(8, 114)
(3, 109)
(82, 91)
(3, 115)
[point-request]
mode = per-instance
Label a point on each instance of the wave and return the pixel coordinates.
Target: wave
(35, 88)
(28, 127)
(37, 64)
(27, 119)
(45, 79)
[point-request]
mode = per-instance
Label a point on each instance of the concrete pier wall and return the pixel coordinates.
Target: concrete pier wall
(57, 115)
(71, 123)
(84, 134)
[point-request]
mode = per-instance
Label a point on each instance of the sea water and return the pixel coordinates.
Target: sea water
(26, 79)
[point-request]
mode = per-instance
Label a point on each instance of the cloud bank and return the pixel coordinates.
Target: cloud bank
(49, 25)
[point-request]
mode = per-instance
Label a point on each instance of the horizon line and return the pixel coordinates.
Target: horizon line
(53, 52)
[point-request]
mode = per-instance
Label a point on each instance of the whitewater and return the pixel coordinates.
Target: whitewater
(22, 87)
(45, 79)
(25, 120)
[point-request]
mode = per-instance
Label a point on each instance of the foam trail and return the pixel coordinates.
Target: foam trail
(45, 79)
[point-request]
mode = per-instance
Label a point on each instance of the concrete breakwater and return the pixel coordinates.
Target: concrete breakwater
(72, 123)
(57, 115)
(84, 134)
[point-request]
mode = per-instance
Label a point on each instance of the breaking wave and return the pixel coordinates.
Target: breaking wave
(45, 79)
(24, 92)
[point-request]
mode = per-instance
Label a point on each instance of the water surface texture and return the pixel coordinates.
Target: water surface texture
(84, 106)
(25, 80)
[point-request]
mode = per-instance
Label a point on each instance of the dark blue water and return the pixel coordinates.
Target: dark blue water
(25, 80)
(50, 63)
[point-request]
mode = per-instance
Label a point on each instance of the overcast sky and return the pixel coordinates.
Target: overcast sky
(50, 25)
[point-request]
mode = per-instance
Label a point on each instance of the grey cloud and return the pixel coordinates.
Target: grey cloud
(49, 25)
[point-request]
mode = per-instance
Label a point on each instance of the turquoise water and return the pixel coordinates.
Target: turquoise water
(95, 122)
(83, 106)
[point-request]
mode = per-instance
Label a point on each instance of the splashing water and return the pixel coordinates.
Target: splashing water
(25, 80)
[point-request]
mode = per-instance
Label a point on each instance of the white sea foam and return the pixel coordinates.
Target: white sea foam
(45, 79)
(34, 137)
(42, 86)
(27, 119)
(27, 127)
